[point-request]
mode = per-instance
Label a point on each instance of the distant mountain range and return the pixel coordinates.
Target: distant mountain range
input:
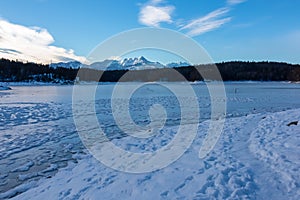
(142, 70)
(140, 63)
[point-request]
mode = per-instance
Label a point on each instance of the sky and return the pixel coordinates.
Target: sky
(47, 31)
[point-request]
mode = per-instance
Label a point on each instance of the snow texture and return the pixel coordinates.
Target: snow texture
(256, 157)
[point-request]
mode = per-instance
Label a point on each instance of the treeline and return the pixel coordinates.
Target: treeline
(230, 71)
(259, 71)
(14, 71)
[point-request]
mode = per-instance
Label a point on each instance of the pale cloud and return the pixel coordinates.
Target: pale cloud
(31, 44)
(207, 23)
(152, 13)
(233, 2)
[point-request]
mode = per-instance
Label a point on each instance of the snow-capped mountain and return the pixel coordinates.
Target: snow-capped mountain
(139, 63)
(71, 64)
(104, 65)
(178, 64)
(127, 64)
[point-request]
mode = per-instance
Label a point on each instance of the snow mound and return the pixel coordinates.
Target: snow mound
(4, 88)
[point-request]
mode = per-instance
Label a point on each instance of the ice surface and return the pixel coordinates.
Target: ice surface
(41, 155)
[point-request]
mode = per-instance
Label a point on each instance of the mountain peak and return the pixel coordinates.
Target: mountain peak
(129, 62)
(142, 58)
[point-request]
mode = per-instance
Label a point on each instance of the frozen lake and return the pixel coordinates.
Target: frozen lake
(38, 136)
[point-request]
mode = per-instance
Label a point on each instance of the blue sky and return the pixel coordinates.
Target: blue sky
(227, 29)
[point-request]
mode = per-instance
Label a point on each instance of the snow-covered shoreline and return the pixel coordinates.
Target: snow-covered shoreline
(35, 83)
(30, 84)
(255, 158)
